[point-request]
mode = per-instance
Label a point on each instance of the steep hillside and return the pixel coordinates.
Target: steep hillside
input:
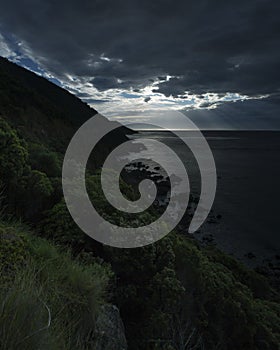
(40, 110)
(32, 89)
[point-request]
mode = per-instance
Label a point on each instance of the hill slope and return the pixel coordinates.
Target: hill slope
(40, 110)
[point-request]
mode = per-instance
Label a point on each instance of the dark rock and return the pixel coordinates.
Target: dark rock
(109, 331)
(250, 255)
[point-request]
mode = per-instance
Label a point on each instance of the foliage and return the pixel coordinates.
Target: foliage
(13, 153)
(12, 251)
(235, 323)
(30, 194)
(44, 160)
(147, 286)
(25, 190)
(60, 227)
(170, 289)
(53, 301)
(23, 317)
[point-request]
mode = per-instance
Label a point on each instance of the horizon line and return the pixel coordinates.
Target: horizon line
(241, 130)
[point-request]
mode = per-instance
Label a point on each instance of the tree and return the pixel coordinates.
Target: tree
(31, 195)
(44, 160)
(13, 153)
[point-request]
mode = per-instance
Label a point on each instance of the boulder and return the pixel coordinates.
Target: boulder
(110, 334)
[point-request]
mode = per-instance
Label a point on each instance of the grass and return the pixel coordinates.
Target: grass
(24, 318)
(49, 300)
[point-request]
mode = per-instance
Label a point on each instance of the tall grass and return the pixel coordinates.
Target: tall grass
(24, 317)
(52, 302)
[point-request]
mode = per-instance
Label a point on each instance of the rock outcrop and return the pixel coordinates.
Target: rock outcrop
(110, 334)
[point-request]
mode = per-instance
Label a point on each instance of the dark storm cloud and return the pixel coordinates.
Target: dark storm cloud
(262, 114)
(215, 46)
(105, 83)
(93, 101)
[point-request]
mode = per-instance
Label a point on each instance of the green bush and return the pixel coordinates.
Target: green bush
(31, 194)
(223, 305)
(13, 153)
(44, 160)
(59, 226)
(26, 192)
(12, 251)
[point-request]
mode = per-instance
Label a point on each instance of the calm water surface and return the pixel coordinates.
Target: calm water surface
(248, 189)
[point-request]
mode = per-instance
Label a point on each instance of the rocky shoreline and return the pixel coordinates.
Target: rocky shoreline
(137, 171)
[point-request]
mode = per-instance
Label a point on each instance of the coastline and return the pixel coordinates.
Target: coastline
(211, 232)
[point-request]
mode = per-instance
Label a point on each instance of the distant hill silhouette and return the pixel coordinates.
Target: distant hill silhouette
(40, 110)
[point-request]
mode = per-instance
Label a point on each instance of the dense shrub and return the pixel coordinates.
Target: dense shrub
(44, 160)
(31, 194)
(60, 227)
(223, 305)
(13, 153)
(26, 191)
(12, 251)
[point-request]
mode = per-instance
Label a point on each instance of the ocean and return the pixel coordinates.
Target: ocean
(248, 188)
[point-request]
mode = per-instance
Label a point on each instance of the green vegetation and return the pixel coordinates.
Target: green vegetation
(13, 153)
(48, 300)
(172, 295)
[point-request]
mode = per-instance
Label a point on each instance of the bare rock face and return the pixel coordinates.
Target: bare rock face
(110, 334)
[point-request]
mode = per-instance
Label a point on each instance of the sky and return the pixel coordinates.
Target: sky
(217, 61)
